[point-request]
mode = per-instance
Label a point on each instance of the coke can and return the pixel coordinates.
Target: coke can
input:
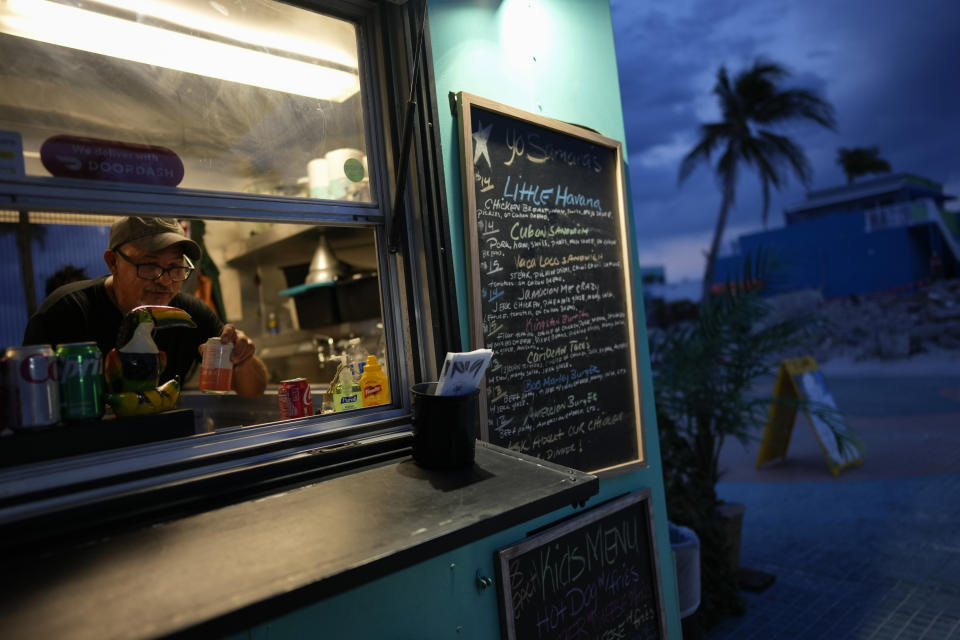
(32, 393)
(81, 381)
(295, 400)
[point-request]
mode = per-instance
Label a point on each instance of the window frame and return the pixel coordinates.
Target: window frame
(417, 293)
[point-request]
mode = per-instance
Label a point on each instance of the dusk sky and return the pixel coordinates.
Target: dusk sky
(889, 67)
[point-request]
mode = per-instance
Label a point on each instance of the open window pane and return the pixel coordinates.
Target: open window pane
(249, 96)
(309, 296)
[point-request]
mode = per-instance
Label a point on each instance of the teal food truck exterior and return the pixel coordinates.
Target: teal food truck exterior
(377, 547)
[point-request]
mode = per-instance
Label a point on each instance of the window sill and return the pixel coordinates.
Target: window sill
(226, 569)
(41, 193)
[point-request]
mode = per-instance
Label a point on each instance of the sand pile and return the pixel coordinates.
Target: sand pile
(867, 327)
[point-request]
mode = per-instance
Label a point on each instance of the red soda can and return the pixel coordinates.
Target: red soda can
(295, 400)
(31, 387)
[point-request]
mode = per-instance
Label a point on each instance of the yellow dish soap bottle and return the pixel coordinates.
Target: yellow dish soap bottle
(374, 384)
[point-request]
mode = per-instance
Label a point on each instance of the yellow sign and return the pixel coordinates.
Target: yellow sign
(800, 382)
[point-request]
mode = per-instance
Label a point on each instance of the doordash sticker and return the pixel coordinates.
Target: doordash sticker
(93, 159)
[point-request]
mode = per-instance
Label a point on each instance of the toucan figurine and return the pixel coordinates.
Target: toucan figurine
(136, 362)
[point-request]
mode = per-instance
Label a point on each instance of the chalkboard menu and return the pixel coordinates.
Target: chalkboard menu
(594, 576)
(550, 287)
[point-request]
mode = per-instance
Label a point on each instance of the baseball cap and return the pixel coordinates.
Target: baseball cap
(152, 234)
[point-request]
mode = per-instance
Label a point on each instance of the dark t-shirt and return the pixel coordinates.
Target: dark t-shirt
(82, 311)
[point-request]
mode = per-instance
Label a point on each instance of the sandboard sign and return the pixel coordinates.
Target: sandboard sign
(595, 575)
(549, 272)
(801, 378)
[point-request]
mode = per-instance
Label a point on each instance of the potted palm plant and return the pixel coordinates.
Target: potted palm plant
(705, 378)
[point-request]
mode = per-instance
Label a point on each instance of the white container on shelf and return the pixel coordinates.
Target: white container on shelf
(338, 182)
(318, 178)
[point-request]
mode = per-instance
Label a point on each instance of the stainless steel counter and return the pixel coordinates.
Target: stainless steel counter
(213, 412)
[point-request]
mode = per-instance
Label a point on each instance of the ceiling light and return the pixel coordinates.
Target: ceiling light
(102, 34)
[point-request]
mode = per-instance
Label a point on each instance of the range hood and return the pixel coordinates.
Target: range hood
(323, 271)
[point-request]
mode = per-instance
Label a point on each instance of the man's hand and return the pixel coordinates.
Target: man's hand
(243, 347)
(249, 372)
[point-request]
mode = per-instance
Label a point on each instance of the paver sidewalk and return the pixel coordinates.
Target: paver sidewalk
(872, 559)
(873, 554)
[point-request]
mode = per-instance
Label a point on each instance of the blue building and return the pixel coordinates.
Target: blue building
(885, 235)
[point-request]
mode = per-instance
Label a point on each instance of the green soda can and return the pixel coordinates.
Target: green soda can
(81, 381)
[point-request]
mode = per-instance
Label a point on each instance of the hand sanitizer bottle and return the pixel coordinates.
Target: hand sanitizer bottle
(346, 394)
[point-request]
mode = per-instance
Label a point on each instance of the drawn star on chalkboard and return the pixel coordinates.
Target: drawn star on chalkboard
(480, 144)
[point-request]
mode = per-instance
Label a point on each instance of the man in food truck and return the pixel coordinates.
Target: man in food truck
(137, 251)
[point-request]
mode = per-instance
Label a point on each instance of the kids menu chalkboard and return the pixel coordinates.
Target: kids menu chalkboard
(550, 287)
(594, 576)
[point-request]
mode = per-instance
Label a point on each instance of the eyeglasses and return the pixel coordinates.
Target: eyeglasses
(152, 271)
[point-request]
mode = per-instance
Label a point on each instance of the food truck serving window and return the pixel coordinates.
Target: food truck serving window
(256, 129)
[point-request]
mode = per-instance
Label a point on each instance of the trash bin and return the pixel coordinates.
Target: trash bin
(686, 561)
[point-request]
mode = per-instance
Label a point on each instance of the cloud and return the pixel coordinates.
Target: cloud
(682, 256)
(885, 65)
(667, 154)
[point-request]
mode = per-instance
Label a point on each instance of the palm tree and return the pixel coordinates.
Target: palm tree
(860, 161)
(754, 102)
